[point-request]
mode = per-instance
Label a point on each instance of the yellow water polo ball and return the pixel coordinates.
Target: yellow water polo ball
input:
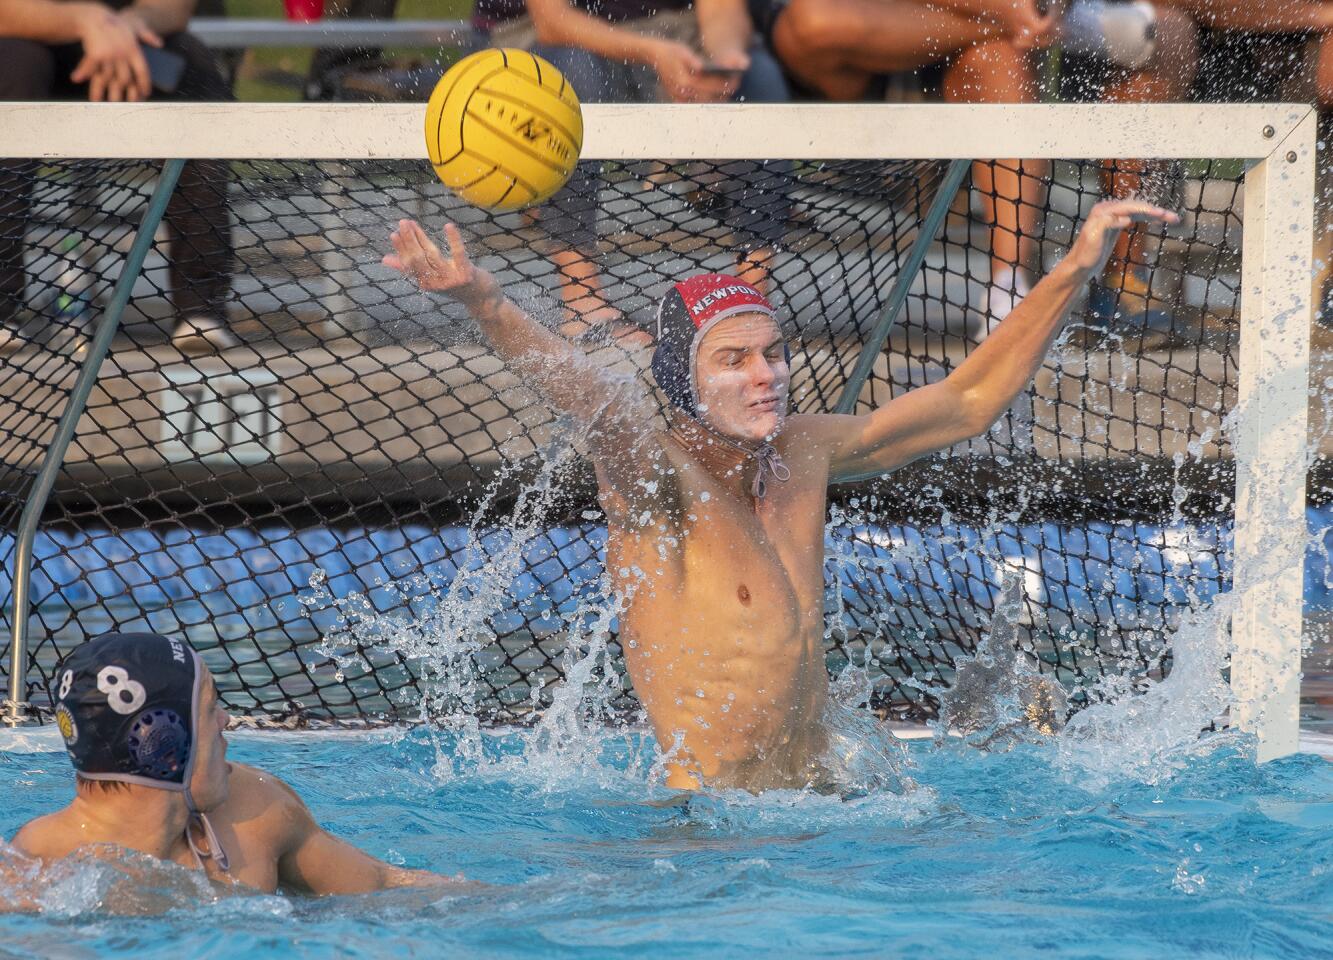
(504, 129)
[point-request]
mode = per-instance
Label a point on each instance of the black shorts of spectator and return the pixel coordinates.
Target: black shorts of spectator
(200, 254)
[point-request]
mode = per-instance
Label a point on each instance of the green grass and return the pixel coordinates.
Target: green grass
(278, 74)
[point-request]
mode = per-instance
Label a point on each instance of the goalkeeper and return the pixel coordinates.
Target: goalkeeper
(716, 523)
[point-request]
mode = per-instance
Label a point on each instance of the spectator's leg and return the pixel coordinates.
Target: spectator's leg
(320, 80)
(762, 195)
(1167, 79)
(29, 74)
(836, 47)
(570, 219)
(1324, 71)
(1323, 57)
(998, 72)
(201, 254)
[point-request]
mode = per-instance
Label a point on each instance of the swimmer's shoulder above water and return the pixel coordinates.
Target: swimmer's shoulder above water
(144, 729)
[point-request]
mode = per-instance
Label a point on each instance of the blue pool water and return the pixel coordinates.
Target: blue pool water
(993, 855)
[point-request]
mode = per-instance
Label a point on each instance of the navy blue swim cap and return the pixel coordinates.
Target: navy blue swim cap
(127, 705)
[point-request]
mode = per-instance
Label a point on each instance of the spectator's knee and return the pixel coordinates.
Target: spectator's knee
(1177, 55)
(991, 56)
(810, 28)
(29, 70)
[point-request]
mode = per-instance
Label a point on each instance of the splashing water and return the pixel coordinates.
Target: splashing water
(448, 623)
(1149, 736)
(570, 735)
(1135, 729)
(996, 696)
(103, 879)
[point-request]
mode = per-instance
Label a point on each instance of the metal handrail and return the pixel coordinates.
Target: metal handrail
(15, 706)
(236, 33)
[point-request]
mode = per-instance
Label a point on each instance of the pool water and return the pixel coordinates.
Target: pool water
(1001, 854)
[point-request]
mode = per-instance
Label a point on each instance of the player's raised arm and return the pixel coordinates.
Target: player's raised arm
(615, 408)
(968, 401)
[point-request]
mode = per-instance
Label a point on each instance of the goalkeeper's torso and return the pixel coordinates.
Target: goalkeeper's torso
(723, 628)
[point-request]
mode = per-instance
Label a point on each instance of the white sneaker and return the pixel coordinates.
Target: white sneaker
(196, 335)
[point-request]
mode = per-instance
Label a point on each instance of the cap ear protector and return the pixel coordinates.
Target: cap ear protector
(689, 310)
(127, 705)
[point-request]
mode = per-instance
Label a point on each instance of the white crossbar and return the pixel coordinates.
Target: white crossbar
(351, 131)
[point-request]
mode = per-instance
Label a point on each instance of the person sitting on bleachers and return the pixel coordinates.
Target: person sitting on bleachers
(53, 50)
(625, 51)
(1275, 51)
(1130, 51)
(971, 51)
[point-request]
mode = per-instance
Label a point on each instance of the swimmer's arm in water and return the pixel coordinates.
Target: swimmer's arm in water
(966, 403)
(312, 860)
(19, 870)
(615, 410)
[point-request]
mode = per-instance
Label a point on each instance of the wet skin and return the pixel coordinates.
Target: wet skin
(270, 838)
(723, 628)
(724, 634)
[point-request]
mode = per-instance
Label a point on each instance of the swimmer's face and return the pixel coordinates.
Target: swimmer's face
(742, 374)
(208, 782)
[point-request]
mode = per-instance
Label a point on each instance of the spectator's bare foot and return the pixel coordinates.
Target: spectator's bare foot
(200, 335)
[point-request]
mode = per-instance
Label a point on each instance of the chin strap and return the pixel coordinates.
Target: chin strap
(766, 456)
(214, 851)
(769, 462)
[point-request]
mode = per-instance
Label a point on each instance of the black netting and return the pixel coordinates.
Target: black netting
(354, 428)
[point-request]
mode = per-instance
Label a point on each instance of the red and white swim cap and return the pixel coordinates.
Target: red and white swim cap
(689, 310)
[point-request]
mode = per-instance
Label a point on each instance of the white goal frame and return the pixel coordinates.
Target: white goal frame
(1277, 141)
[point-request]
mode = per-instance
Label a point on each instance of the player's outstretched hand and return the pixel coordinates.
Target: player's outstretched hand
(420, 260)
(1096, 240)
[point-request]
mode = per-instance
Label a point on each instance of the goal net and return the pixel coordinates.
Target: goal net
(357, 483)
